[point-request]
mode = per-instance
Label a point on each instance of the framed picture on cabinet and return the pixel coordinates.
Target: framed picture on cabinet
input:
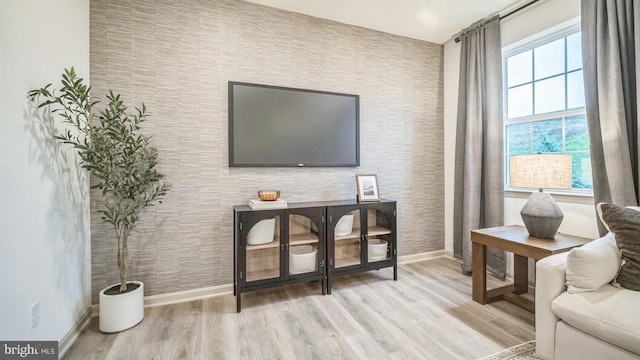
(367, 187)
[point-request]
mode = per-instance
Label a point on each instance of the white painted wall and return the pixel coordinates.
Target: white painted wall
(44, 204)
(579, 213)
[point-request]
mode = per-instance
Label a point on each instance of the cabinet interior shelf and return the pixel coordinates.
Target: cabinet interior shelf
(263, 274)
(372, 231)
(347, 261)
(355, 234)
(378, 230)
(301, 239)
(273, 244)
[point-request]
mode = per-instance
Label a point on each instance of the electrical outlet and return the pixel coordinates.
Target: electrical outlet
(35, 314)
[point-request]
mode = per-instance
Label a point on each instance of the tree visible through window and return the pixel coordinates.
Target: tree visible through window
(545, 106)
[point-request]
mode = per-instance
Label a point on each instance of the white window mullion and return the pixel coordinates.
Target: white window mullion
(564, 134)
(518, 137)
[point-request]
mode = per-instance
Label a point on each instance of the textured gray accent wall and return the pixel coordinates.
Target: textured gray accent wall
(177, 57)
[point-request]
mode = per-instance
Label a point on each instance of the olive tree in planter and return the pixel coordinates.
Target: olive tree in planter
(123, 163)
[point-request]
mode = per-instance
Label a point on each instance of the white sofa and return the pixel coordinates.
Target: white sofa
(594, 322)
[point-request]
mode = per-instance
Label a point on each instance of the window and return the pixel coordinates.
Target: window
(544, 101)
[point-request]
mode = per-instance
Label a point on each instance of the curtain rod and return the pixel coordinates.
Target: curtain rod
(508, 14)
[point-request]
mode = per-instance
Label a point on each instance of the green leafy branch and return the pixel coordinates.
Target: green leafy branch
(112, 149)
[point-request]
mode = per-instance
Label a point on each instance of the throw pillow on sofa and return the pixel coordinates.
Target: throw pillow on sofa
(625, 225)
(592, 265)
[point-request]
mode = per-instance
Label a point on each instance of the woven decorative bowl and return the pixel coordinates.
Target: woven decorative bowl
(269, 195)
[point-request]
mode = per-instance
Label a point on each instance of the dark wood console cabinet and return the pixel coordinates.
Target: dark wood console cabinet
(370, 245)
(274, 247)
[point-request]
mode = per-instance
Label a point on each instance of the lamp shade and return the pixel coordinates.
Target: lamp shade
(543, 171)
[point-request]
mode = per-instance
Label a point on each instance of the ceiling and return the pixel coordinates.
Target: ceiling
(430, 20)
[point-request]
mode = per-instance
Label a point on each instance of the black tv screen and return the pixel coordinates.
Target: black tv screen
(279, 126)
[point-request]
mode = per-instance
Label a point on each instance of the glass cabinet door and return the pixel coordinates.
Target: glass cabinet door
(378, 235)
(263, 250)
(347, 240)
(304, 246)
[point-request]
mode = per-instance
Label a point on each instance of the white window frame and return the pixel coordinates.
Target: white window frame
(554, 33)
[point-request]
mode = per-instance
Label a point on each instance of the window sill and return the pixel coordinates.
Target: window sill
(585, 197)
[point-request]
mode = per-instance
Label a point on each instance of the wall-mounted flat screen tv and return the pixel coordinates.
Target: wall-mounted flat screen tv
(280, 127)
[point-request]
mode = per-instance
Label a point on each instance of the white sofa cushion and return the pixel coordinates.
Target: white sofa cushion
(608, 313)
(592, 265)
(574, 344)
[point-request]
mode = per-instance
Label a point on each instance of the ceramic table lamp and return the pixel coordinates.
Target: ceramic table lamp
(541, 214)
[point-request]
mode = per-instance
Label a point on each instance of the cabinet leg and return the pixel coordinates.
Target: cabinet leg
(329, 285)
(238, 301)
(395, 273)
(324, 285)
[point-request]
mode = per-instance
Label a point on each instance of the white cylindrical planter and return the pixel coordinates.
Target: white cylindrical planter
(122, 311)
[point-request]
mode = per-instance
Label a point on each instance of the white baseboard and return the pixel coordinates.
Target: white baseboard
(179, 297)
(71, 336)
(188, 295)
(449, 254)
(407, 259)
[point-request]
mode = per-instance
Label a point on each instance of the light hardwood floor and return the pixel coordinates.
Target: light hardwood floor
(427, 314)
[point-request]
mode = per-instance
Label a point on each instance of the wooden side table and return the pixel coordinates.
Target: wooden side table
(514, 239)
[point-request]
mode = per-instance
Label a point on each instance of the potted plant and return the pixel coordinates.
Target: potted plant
(122, 162)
